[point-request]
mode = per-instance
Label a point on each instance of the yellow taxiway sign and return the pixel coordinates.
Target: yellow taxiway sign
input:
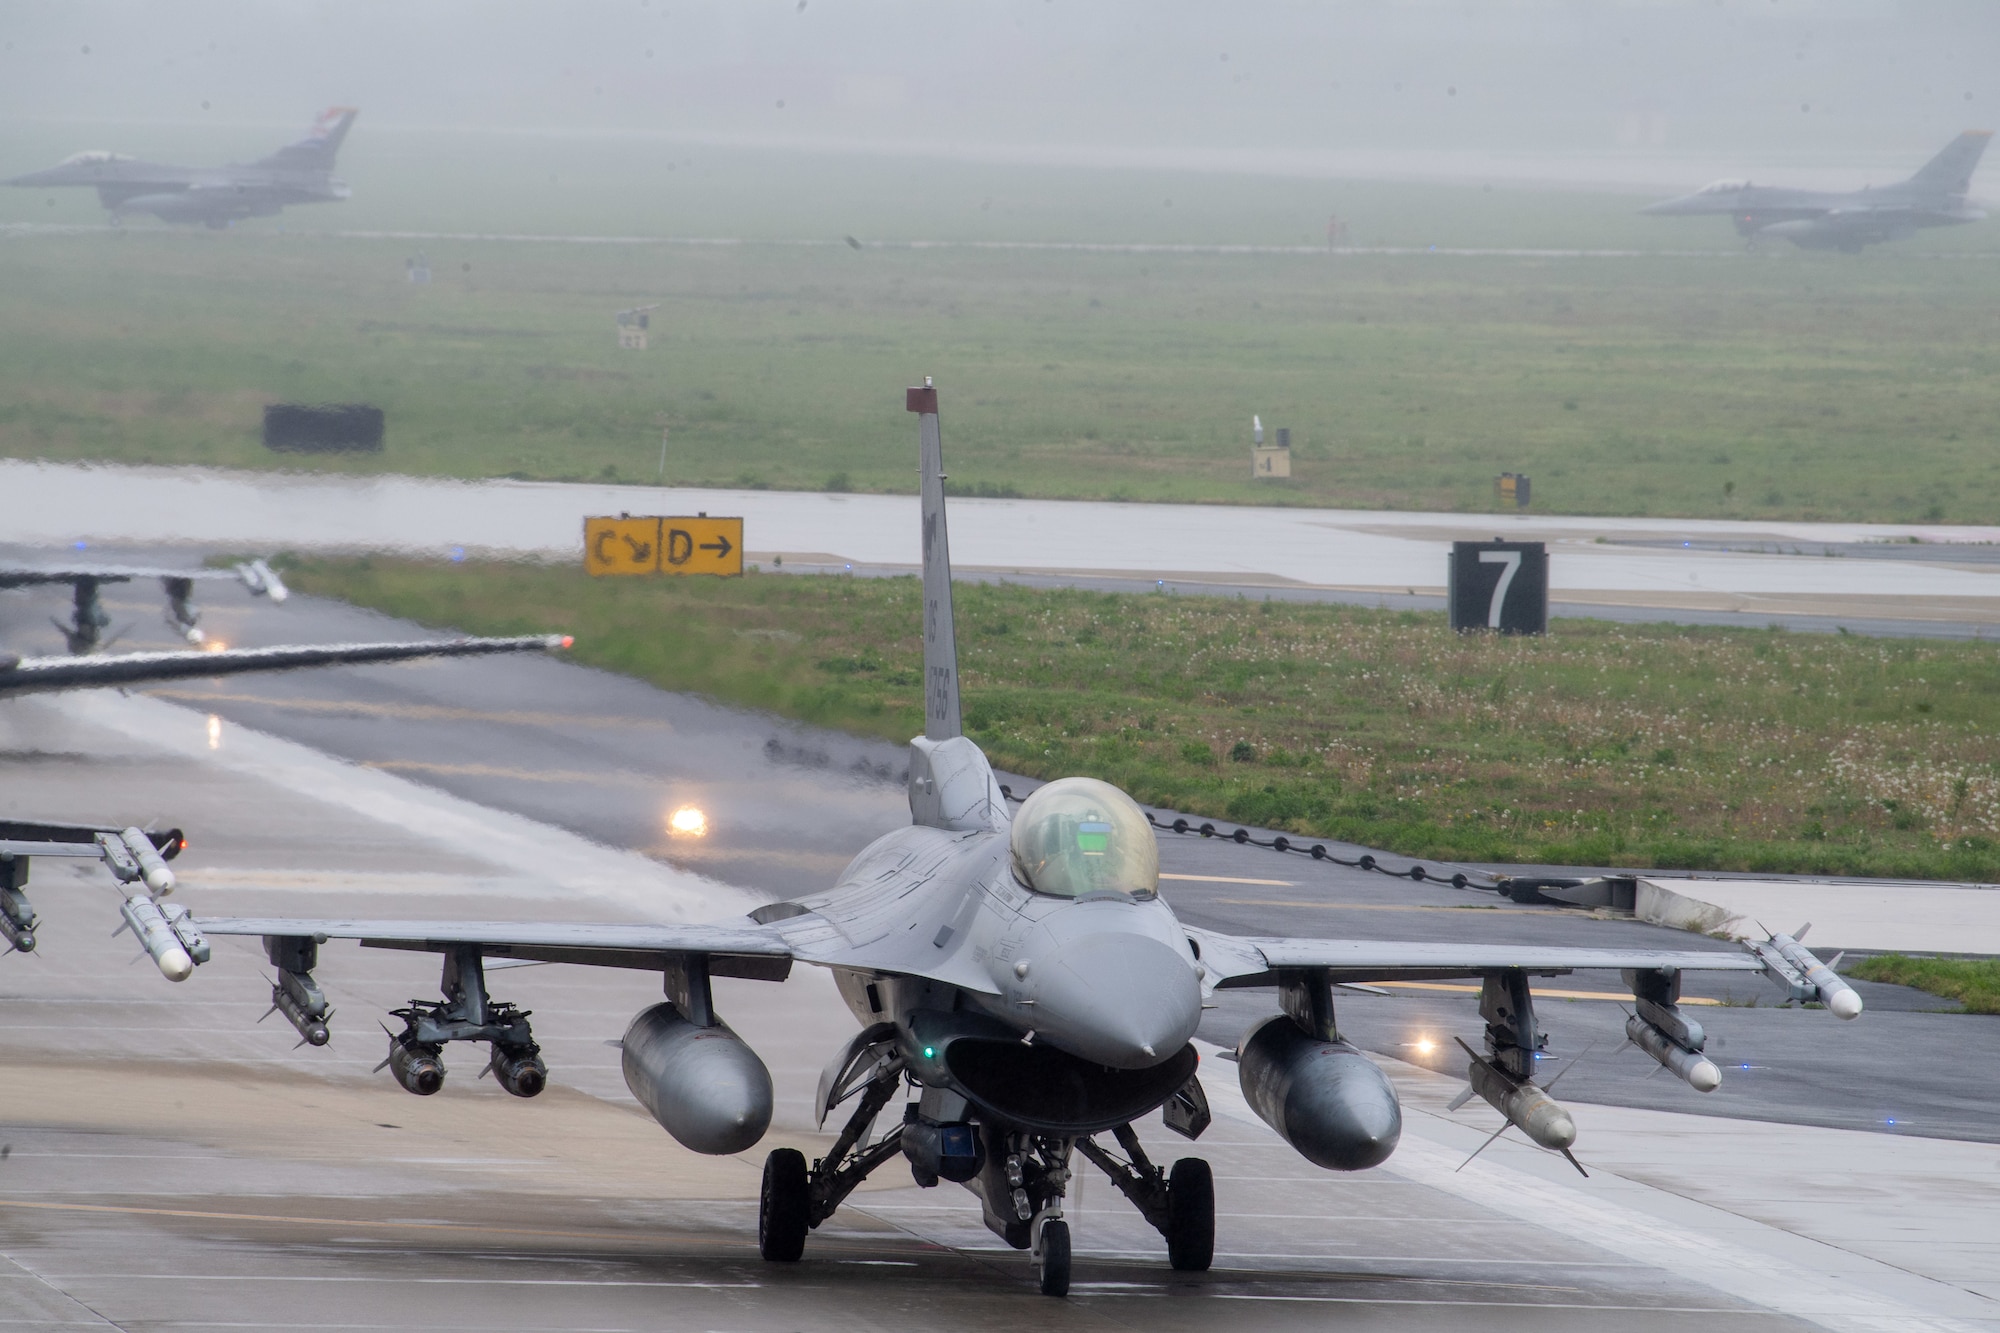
(628, 545)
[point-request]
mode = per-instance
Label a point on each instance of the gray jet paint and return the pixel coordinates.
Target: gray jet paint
(1823, 220)
(299, 173)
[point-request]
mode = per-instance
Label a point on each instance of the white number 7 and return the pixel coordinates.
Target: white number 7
(1511, 559)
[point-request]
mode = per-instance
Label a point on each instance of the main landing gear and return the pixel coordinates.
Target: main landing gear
(1030, 1175)
(1019, 1176)
(1179, 1203)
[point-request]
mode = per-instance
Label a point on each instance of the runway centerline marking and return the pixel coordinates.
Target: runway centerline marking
(562, 775)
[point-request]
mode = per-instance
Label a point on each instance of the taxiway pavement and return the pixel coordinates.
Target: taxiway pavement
(174, 1164)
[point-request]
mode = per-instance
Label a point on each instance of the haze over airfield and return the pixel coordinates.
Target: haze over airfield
(1637, 96)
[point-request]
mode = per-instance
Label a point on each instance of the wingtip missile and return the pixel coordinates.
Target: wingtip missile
(1794, 967)
(152, 868)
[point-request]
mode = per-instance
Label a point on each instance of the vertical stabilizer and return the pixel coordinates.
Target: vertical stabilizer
(317, 151)
(940, 639)
(1950, 172)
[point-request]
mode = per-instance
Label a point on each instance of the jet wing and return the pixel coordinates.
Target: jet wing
(32, 675)
(762, 949)
(21, 576)
(1238, 960)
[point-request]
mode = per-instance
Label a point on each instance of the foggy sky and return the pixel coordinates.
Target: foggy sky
(1811, 81)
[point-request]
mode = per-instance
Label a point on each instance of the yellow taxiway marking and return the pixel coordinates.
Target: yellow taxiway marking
(614, 779)
(1370, 907)
(1540, 992)
(413, 712)
(1227, 879)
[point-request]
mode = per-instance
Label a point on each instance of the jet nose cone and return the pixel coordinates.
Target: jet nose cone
(1122, 1000)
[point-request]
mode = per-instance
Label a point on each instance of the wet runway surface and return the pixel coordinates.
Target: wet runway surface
(1719, 571)
(174, 1164)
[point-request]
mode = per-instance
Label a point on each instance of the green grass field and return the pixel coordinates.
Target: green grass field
(1600, 744)
(1973, 982)
(1791, 385)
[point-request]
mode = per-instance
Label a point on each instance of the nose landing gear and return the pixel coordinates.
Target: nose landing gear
(1051, 1257)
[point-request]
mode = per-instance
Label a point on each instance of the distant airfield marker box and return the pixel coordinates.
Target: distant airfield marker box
(1500, 585)
(1511, 489)
(323, 428)
(629, 545)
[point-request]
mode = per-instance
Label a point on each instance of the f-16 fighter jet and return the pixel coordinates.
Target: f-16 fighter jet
(1819, 220)
(88, 620)
(299, 173)
(1023, 977)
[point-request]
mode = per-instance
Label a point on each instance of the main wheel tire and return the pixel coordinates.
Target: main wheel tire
(784, 1206)
(1055, 1258)
(1191, 1216)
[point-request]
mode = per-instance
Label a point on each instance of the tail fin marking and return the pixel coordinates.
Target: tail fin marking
(321, 145)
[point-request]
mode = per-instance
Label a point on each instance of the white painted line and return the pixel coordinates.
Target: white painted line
(511, 843)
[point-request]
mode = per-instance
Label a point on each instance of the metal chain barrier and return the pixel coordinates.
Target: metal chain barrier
(1417, 873)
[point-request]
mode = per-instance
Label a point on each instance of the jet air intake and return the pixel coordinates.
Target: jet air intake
(704, 1086)
(1325, 1098)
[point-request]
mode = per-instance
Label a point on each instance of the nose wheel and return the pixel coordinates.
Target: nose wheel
(1052, 1258)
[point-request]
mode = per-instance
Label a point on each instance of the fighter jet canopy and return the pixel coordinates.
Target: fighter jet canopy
(1080, 836)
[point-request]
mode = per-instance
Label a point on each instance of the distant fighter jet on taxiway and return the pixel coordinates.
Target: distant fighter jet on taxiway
(299, 173)
(1823, 220)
